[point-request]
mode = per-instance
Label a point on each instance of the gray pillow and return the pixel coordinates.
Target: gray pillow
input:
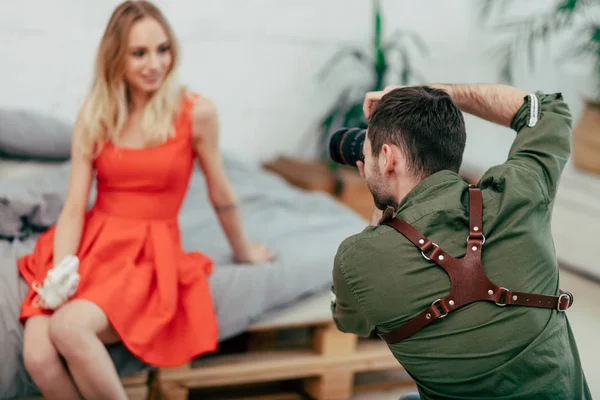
(31, 135)
(32, 202)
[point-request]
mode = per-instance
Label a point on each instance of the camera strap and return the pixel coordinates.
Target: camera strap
(469, 283)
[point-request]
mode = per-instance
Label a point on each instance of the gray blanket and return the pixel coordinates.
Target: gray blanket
(304, 229)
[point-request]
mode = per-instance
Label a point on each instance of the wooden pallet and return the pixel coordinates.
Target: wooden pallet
(327, 364)
(136, 387)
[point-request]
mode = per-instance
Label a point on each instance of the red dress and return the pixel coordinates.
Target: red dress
(132, 265)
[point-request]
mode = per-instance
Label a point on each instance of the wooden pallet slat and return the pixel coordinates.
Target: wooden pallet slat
(327, 364)
(335, 383)
(136, 387)
(265, 366)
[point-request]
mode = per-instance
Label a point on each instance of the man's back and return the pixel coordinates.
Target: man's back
(481, 350)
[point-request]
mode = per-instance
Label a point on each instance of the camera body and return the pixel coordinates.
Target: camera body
(346, 146)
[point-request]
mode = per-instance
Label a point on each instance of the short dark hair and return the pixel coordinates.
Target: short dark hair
(425, 123)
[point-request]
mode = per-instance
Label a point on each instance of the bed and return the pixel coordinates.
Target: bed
(303, 228)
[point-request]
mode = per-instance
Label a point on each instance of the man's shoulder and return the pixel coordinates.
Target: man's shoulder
(512, 183)
(370, 243)
(362, 238)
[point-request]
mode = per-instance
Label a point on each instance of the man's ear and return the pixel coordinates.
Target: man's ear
(389, 157)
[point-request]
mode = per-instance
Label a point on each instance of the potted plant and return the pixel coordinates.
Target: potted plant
(346, 111)
(560, 16)
(323, 174)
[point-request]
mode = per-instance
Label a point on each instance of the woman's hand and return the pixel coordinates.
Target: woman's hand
(257, 254)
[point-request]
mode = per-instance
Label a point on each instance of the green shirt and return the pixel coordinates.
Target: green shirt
(481, 351)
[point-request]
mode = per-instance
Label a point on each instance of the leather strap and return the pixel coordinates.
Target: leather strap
(475, 214)
(561, 302)
(469, 283)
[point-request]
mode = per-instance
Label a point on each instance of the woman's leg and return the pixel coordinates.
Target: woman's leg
(43, 363)
(79, 330)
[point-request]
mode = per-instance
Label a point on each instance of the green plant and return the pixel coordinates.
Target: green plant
(346, 111)
(542, 27)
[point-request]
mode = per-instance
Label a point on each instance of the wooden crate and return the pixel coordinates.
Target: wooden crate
(327, 365)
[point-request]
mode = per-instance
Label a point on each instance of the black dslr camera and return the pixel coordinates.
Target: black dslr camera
(345, 146)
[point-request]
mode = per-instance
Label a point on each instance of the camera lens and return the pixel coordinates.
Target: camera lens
(345, 146)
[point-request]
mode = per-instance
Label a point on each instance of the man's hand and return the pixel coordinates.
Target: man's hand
(496, 103)
(371, 99)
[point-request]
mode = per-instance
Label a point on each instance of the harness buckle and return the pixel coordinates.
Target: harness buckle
(433, 248)
(482, 235)
(566, 296)
(504, 291)
(439, 307)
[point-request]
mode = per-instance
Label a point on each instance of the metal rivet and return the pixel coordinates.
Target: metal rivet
(514, 297)
(474, 248)
(421, 241)
(451, 302)
(440, 257)
(428, 316)
(490, 292)
(475, 228)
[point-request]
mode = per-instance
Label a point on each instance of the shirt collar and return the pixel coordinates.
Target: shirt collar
(433, 186)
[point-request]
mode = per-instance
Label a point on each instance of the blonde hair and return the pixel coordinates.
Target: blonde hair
(107, 106)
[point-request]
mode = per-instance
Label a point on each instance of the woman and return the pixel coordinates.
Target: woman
(140, 132)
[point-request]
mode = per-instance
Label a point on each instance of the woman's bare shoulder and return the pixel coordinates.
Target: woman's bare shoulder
(204, 112)
(201, 105)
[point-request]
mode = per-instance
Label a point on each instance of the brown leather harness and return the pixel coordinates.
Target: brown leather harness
(469, 283)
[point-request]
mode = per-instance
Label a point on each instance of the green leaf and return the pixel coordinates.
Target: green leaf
(569, 6)
(486, 7)
(406, 70)
(419, 77)
(401, 34)
(506, 74)
(590, 47)
(339, 56)
(503, 54)
(596, 34)
(354, 117)
(531, 51)
(377, 26)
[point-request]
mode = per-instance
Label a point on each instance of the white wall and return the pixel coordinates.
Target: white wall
(257, 59)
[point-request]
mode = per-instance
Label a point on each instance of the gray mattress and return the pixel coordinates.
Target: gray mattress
(304, 229)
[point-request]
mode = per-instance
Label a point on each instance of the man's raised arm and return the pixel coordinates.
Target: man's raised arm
(493, 102)
(542, 146)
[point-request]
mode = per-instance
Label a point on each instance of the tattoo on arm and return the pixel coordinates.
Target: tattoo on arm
(225, 208)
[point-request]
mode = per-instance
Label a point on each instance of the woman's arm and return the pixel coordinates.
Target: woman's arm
(205, 133)
(70, 222)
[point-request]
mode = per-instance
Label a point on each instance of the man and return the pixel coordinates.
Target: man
(412, 154)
